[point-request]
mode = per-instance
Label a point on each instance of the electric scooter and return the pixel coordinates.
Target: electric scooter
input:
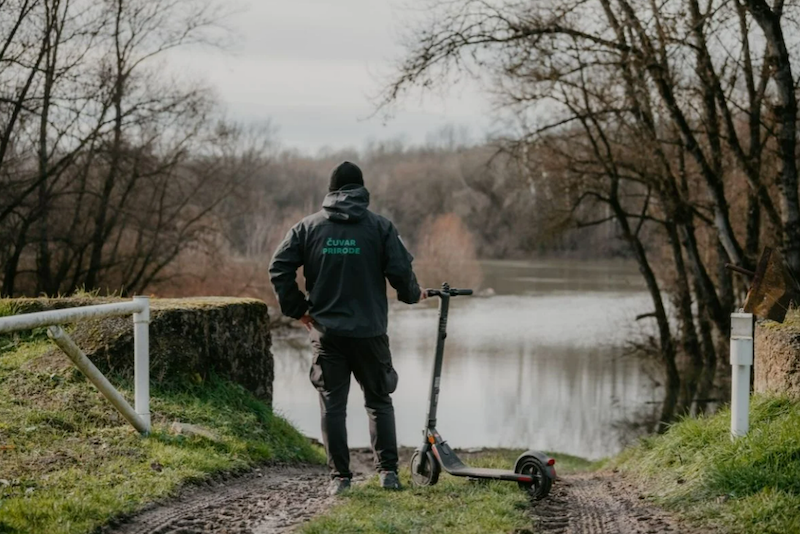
(533, 470)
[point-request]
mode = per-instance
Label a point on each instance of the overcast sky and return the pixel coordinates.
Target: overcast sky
(312, 66)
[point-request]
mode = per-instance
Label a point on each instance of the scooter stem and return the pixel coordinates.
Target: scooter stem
(433, 399)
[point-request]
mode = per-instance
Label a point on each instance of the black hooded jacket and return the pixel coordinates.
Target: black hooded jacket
(347, 253)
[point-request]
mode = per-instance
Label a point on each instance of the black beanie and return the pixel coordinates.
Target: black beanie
(345, 174)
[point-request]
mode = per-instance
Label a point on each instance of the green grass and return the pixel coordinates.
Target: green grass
(454, 505)
(69, 462)
(8, 308)
(751, 485)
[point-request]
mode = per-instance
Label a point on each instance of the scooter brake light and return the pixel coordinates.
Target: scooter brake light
(551, 461)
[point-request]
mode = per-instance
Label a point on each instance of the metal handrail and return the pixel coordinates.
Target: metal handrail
(139, 307)
(27, 321)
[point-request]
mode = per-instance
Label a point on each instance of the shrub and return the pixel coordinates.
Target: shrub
(446, 253)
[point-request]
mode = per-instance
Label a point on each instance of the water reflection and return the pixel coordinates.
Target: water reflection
(541, 368)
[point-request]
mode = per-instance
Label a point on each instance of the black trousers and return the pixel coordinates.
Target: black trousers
(370, 361)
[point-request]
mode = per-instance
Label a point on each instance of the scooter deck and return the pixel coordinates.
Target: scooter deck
(453, 465)
(494, 474)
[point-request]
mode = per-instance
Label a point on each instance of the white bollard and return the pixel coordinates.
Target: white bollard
(141, 350)
(741, 362)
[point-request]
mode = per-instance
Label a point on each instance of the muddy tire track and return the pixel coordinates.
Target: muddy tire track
(602, 503)
(267, 501)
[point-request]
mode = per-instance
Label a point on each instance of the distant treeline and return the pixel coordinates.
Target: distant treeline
(454, 202)
(414, 185)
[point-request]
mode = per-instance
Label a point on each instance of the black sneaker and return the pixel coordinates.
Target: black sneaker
(338, 486)
(389, 480)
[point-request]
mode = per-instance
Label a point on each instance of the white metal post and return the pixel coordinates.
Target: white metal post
(141, 350)
(741, 362)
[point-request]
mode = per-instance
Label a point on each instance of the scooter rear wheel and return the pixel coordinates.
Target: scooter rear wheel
(429, 475)
(540, 487)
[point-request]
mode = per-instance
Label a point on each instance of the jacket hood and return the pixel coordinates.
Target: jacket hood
(349, 204)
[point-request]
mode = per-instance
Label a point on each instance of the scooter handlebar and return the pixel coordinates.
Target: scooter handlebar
(453, 292)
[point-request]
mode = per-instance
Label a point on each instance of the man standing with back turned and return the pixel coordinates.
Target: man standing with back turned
(347, 254)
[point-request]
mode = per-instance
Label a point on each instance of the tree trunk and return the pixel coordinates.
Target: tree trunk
(10, 270)
(725, 281)
(779, 60)
(100, 233)
(689, 341)
(43, 263)
(709, 353)
(753, 227)
(666, 344)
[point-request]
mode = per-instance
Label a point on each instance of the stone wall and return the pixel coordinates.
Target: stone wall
(777, 356)
(189, 338)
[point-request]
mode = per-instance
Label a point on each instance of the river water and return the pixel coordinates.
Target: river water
(539, 365)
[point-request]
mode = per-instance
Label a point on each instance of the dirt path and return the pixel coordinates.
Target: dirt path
(269, 501)
(275, 500)
(601, 503)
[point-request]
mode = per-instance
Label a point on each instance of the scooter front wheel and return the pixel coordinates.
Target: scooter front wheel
(429, 475)
(540, 487)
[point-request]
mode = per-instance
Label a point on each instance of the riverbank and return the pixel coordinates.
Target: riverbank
(70, 464)
(751, 485)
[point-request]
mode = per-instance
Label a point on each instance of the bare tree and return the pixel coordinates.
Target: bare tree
(779, 63)
(649, 99)
(97, 146)
(140, 31)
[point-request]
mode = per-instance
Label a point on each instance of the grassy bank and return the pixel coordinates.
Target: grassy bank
(751, 485)
(69, 462)
(454, 505)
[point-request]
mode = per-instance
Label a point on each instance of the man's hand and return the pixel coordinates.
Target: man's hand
(423, 294)
(307, 321)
